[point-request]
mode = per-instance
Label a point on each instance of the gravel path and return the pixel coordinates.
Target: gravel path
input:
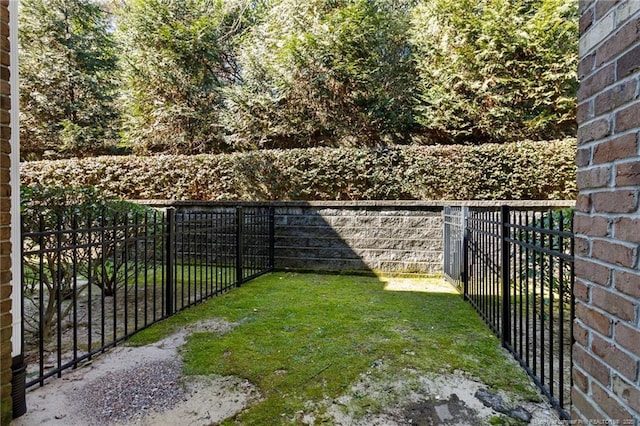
(129, 394)
(139, 386)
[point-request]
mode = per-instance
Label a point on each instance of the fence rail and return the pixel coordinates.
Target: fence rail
(91, 282)
(516, 269)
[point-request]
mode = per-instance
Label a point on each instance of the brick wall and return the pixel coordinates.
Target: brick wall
(5, 220)
(607, 224)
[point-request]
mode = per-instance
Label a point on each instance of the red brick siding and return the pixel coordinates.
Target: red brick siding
(607, 225)
(5, 219)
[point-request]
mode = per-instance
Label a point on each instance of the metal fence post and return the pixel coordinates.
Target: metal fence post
(272, 238)
(446, 237)
(506, 288)
(239, 251)
(18, 364)
(465, 252)
(170, 249)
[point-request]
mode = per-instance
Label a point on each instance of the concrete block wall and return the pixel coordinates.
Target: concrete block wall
(607, 223)
(360, 236)
(5, 220)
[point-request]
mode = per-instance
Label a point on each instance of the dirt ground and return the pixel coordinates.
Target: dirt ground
(411, 398)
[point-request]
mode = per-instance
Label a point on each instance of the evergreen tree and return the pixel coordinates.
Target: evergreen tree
(68, 69)
(177, 57)
(496, 70)
(325, 72)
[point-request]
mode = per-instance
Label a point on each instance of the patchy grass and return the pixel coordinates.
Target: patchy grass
(307, 337)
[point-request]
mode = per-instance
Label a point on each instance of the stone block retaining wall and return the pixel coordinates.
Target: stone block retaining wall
(358, 236)
(361, 236)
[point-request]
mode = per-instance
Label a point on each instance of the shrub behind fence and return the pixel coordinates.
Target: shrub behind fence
(97, 278)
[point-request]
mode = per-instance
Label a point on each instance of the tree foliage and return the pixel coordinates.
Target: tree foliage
(319, 72)
(207, 76)
(177, 58)
(496, 70)
(68, 72)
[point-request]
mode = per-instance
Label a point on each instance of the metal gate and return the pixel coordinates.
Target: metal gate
(455, 219)
(515, 267)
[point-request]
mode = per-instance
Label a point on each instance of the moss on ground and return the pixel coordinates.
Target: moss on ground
(308, 337)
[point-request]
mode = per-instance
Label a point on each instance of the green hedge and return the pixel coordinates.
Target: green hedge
(523, 170)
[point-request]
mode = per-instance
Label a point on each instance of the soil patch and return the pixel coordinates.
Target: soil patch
(145, 386)
(140, 386)
(385, 398)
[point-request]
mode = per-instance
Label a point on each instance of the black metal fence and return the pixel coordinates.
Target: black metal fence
(94, 280)
(454, 228)
(516, 268)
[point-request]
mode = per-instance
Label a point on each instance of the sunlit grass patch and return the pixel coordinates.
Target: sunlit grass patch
(303, 338)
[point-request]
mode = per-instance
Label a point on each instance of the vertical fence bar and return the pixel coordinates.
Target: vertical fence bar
(521, 291)
(188, 221)
(136, 272)
(572, 306)
(103, 275)
(506, 288)
(272, 238)
(41, 330)
(125, 287)
(89, 285)
(541, 305)
(527, 256)
(115, 288)
(146, 267)
(58, 283)
(169, 247)
(74, 295)
(552, 319)
(183, 237)
(207, 226)
(220, 261)
(239, 251)
(200, 259)
(214, 253)
(465, 251)
(561, 314)
(446, 237)
(157, 253)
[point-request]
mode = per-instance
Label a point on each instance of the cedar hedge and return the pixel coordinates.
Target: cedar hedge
(523, 170)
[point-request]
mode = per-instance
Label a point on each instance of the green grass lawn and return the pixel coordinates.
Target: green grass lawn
(308, 337)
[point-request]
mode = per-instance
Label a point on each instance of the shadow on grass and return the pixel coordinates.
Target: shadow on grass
(304, 338)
